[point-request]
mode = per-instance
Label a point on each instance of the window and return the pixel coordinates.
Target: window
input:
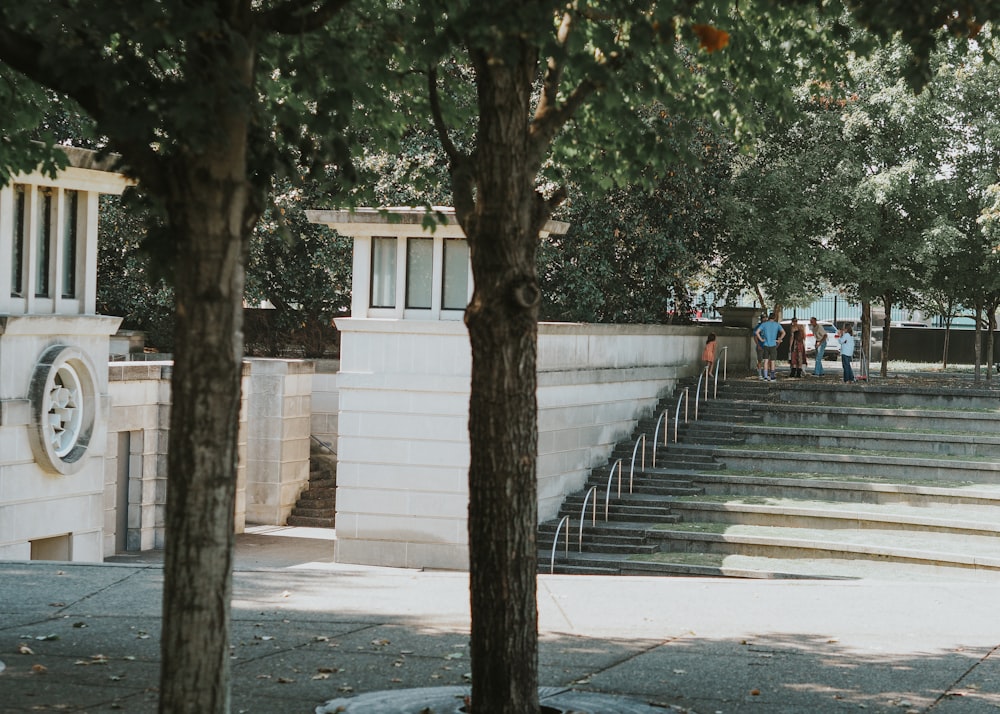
(419, 272)
(455, 285)
(44, 240)
(17, 257)
(70, 207)
(383, 272)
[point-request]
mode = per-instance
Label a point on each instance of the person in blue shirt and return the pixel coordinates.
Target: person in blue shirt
(846, 339)
(769, 334)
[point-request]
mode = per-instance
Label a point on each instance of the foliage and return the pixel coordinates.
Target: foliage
(303, 272)
(126, 287)
(634, 254)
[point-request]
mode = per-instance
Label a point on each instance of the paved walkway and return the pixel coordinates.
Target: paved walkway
(85, 638)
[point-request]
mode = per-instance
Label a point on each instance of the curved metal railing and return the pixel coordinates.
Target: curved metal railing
(682, 399)
(555, 543)
(631, 473)
(663, 421)
(724, 358)
(697, 391)
(607, 491)
(583, 514)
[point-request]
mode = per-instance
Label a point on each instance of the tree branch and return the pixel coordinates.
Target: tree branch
(554, 70)
(437, 116)
(298, 16)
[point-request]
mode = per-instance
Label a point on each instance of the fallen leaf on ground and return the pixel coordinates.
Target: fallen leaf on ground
(39, 668)
(24, 649)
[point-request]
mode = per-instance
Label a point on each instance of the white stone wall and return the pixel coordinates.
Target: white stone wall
(325, 416)
(403, 445)
(42, 505)
(279, 407)
(140, 407)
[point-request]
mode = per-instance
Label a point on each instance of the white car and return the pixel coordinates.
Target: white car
(832, 346)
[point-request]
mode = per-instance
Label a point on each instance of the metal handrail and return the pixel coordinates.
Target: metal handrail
(677, 414)
(323, 444)
(697, 391)
(724, 358)
(555, 544)
(665, 421)
(631, 473)
(583, 513)
(607, 491)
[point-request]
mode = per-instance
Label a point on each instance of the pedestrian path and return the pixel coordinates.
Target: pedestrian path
(306, 630)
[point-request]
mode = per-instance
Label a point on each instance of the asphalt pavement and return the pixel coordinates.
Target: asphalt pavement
(85, 637)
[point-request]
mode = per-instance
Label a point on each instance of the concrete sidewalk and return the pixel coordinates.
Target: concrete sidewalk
(85, 638)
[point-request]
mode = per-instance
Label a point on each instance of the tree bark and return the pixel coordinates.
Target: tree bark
(978, 343)
(502, 227)
(211, 208)
(887, 302)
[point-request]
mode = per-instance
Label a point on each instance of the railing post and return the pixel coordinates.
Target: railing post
(555, 544)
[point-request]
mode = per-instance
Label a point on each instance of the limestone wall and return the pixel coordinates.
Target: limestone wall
(279, 407)
(53, 426)
(403, 444)
(135, 467)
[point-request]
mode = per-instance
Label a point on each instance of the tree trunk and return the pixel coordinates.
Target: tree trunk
(978, 349)
(947, 341)
(502, 318)
(212, 210)
(991, 316)
(202, 455)
(865, 338)
(886, 333)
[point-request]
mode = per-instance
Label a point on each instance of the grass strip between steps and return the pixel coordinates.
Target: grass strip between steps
(791, 449)
(817, 476)
(709, 559)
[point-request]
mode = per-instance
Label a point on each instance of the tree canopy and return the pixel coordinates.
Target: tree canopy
(209, 102)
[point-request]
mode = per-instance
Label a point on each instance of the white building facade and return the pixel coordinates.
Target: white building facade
(53, 363)
(404, 386)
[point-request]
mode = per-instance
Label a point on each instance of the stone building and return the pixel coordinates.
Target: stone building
(53, 363)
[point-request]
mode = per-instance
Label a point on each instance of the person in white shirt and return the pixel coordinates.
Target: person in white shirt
(846, 339)
(820, 334)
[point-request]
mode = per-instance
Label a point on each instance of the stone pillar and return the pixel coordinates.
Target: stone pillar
(278, 425)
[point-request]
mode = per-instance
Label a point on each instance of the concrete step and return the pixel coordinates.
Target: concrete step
(926, 548)
(311, 521)
(663, 564)
(884, 394)
(896, 467)
(909, 442)
(801, 513)
(309, 512)
(848, 489)
(857, 417)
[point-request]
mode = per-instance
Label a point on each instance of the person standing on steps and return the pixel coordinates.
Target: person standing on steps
(846, 339)
(708, 354)
(770, 334)
(797, 350)
(759, 347)
(820, 334)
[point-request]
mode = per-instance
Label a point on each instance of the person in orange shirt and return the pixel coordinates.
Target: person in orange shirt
(708, 354)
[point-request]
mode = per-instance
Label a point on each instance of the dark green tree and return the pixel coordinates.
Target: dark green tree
(566, 81)
(206, 103)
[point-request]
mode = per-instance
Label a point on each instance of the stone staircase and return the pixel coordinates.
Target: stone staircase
(317, 505)
(802, 478)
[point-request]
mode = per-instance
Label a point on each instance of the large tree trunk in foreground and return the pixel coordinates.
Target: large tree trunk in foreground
(203, 457)
(212, 211)
(502, 319)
